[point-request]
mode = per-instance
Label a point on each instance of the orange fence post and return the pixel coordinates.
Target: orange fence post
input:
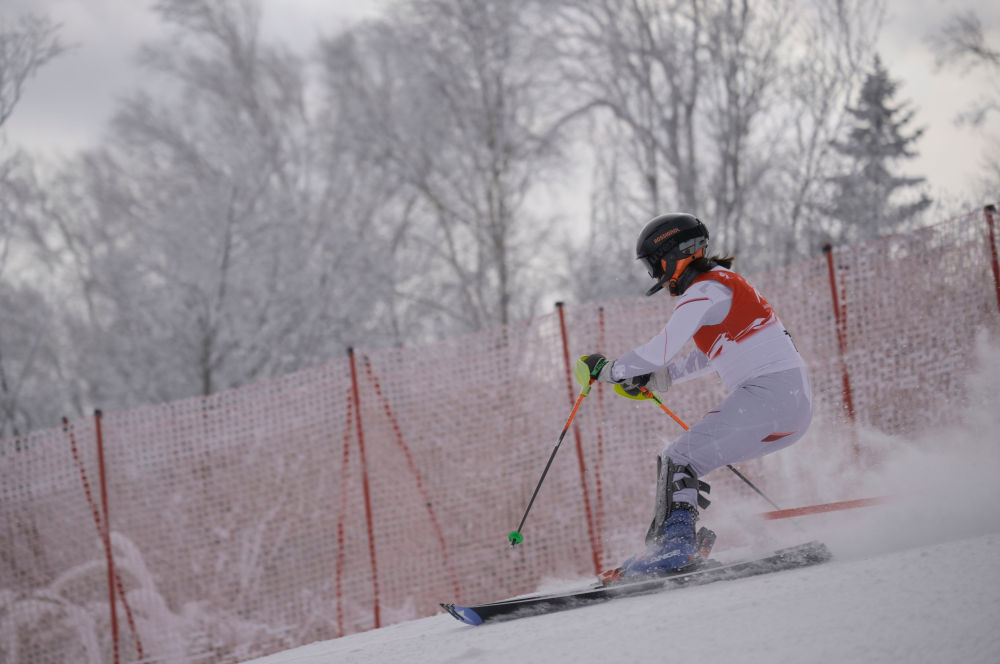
(344, 465)
(840, 321)
(599, 430)
(107, 534)
(595, 539)
(101, 531)
(991, 210)
(364, 483)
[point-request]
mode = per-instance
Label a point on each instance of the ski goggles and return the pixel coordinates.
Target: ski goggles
(688, 247)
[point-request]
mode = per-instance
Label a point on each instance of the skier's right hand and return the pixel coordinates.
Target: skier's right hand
(593, 367)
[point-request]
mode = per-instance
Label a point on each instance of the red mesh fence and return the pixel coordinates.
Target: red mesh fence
(364, 492)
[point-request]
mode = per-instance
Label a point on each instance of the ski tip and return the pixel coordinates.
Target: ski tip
(819, 552)
(463, 614)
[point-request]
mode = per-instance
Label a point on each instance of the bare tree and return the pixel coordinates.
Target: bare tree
(28, 366)
(451, 96)
(961, 43)
(744, 43)
(723, 107)
(832, 46)
(690, 81)
(26, 46)
(641, 62)
(201, 257)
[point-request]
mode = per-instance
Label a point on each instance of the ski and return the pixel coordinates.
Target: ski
(803, 555)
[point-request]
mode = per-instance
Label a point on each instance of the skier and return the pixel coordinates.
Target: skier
(737, 335)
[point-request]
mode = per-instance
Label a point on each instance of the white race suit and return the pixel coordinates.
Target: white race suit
(738, 335)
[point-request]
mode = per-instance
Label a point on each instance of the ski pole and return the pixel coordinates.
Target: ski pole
(684, 426)
(751, 485)
(515, 536)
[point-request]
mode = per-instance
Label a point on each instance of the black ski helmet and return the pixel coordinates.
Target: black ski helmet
(667, 240)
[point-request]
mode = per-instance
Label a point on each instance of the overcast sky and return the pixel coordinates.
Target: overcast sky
(67, 105)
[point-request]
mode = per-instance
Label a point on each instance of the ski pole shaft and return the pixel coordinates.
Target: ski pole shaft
(663, 407)
(684, 426)
(751, 485)
(515, 537)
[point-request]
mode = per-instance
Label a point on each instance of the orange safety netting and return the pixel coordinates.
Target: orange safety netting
(365, 491)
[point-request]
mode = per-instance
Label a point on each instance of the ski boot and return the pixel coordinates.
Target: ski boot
(704, 540)
(675, 549)
(671, 543)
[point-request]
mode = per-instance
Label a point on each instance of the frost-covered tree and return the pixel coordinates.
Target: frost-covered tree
(30, 384)
(865, 197)
(963, 44)
(26, 45)
(722, 108)
(452, 99)
(825, 67)
(208, 251)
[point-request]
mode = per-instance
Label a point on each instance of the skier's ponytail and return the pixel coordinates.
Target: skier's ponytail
(700, 265)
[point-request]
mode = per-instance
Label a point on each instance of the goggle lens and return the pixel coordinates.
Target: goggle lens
(653, 266)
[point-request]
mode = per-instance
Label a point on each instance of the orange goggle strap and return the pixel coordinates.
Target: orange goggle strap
(679, 270)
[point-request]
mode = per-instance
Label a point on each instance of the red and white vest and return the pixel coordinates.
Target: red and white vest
(737, 333)
(750, 341)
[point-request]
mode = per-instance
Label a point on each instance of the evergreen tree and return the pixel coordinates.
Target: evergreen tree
(877, 139)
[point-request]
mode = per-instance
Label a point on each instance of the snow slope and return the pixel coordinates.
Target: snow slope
(915, 580)
(932, 603)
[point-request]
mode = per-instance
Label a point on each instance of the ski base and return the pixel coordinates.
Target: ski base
(803, 555)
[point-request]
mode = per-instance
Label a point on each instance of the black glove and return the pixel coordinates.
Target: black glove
(632, 385)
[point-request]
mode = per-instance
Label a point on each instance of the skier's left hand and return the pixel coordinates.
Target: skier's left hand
(632, 386)
(657, 381)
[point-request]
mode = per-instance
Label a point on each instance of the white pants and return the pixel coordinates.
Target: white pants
(763, 415)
